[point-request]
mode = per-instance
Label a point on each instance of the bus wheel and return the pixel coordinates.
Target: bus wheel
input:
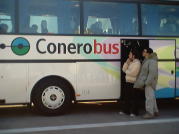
(52, 97)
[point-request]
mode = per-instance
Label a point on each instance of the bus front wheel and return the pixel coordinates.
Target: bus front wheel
(52, 97)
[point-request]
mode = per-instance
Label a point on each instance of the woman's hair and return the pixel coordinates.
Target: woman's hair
(135, 53)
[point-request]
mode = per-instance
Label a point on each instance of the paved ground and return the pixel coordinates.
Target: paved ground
(88, 119)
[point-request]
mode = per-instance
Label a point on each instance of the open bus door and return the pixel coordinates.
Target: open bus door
(126, 46)
(165, 49)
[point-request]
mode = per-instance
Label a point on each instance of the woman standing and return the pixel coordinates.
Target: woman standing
(131, 96)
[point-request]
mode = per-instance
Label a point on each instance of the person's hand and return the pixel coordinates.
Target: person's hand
(128, 61)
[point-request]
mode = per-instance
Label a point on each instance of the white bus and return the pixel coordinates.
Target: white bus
(53, 52)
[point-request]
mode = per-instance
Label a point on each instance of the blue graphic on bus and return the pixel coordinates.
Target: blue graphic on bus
(20, 46)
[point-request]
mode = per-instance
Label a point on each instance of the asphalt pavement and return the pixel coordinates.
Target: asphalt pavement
(95, 118)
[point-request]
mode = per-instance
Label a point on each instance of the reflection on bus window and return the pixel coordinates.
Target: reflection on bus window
(98, 25)
(3, 28)
(50, 17)
(45, 24)
(160, 20)
(110, 18)
(7, 16)
(34, 29)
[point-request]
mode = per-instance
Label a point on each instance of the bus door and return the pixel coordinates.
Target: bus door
(177, 79)
(165, 50)
(126, 46)
(177, 67)
(13, 73)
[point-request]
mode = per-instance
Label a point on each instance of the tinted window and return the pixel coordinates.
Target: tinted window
(7, 13)
(160, 20)
(49, 16)
(110, 18)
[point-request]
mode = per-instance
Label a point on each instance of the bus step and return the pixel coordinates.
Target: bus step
(2, 101)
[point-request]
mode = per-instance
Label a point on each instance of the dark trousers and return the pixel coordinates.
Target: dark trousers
(131, 99)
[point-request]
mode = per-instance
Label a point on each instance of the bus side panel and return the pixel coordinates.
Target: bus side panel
(98, 80)
(177, 79)
(13, 82)
(38, 71)
(166, 80)
(165, 49)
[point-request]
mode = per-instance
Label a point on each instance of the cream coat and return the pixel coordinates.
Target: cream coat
(132, 70)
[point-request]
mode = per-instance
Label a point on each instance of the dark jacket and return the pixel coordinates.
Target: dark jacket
(148, 75)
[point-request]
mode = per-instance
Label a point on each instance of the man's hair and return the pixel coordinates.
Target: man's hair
(135, 53)
(149, 50)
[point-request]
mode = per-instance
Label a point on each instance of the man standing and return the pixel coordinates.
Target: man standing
(147, 79)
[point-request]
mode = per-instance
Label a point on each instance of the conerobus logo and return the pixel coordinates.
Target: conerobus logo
(20, 46)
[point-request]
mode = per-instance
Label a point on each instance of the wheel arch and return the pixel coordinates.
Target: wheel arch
(53, 77)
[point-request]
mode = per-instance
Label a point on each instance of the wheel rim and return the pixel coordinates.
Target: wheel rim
(53, 97)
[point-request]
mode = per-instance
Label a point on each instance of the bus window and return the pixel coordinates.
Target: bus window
(49, 17)
(160, 20)
(110, 18)
(7, 16)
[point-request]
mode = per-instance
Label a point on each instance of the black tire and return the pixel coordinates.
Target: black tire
(52, 85)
